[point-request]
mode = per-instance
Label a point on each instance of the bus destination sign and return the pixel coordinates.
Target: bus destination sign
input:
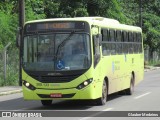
(45, 26)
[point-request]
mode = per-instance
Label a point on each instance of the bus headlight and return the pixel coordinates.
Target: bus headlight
(84, 84)
(28, 85)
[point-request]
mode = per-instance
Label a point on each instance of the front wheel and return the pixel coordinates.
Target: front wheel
(46, 102)
(102, 100)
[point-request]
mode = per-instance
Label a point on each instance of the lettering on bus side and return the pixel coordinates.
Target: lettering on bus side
(116, 65)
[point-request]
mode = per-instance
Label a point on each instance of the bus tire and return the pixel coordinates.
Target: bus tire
(102, 100)
(130, 90)
(46, 102)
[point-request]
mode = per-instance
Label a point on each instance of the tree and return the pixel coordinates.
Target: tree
(106, 8)
(67, 8)
(8, 23)
(151, 25)
(34, 9)
(151, 28)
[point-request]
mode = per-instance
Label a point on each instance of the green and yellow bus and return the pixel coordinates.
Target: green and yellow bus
(83, 58)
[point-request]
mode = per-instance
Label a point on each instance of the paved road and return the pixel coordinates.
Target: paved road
(145, 98)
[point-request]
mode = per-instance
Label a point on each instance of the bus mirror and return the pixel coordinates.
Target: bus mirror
(98, 38)
(95, 30)
(18, 38)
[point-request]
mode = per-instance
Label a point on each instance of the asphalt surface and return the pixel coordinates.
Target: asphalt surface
(145, 98)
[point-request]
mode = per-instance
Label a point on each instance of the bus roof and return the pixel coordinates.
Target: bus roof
(89, 19)
(99, 21)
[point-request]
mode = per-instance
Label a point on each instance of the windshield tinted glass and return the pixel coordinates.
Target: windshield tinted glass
(70, 51)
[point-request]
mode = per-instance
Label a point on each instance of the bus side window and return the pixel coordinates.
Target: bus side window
(118, 42)
(122, 42)
(131, 49)
(139, 39)
(135, 45)
(130, 37)
(105, 35)
(112, 35)
(118, 36)
(112, 39)
(105, 38)
(125, 42)
(96, 50)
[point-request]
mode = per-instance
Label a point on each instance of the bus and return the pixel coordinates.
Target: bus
(82, 58)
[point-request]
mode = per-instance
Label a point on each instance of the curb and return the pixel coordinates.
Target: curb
(154, 68)
(10, 92)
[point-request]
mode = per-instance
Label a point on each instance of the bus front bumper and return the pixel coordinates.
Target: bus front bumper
(88, 92)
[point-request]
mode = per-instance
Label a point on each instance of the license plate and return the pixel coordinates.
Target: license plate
(56, 95)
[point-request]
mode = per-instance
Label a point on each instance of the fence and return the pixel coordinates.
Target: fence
(155, 56)
(9, 72)
(12, 65)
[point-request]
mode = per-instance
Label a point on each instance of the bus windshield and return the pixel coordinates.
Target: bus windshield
(56, 52)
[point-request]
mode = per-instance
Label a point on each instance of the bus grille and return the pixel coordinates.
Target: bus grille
(55, 79)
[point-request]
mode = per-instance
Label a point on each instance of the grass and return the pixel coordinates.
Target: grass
(154, 63)
(11, 77)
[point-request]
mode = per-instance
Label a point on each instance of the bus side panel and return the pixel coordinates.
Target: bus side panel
(118, 70)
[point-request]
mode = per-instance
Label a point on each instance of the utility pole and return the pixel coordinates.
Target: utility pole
(140, 13)
(21, 24)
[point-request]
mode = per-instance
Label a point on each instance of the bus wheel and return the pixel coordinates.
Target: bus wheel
(46, 102)
(102, 100)
(130, 90)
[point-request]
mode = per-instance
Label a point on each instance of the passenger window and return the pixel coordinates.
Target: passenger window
(139, 37)
(112, 35)
(125, 35)
(105, 36)
(130, 37)
(118, 36)
(135, 37)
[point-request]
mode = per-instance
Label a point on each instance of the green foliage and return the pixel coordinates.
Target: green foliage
(34, 10)
(8, 23)
(67, 8)
(154, 63)
(11, 68)
(8, 29)
(126, 11)
(130, 9)
(151, 24)
(152, 31)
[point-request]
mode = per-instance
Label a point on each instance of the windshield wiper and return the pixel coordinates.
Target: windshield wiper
(66, 39)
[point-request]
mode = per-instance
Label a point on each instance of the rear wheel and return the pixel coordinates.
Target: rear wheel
(102, 100)
(130, 90)
(46, 102)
